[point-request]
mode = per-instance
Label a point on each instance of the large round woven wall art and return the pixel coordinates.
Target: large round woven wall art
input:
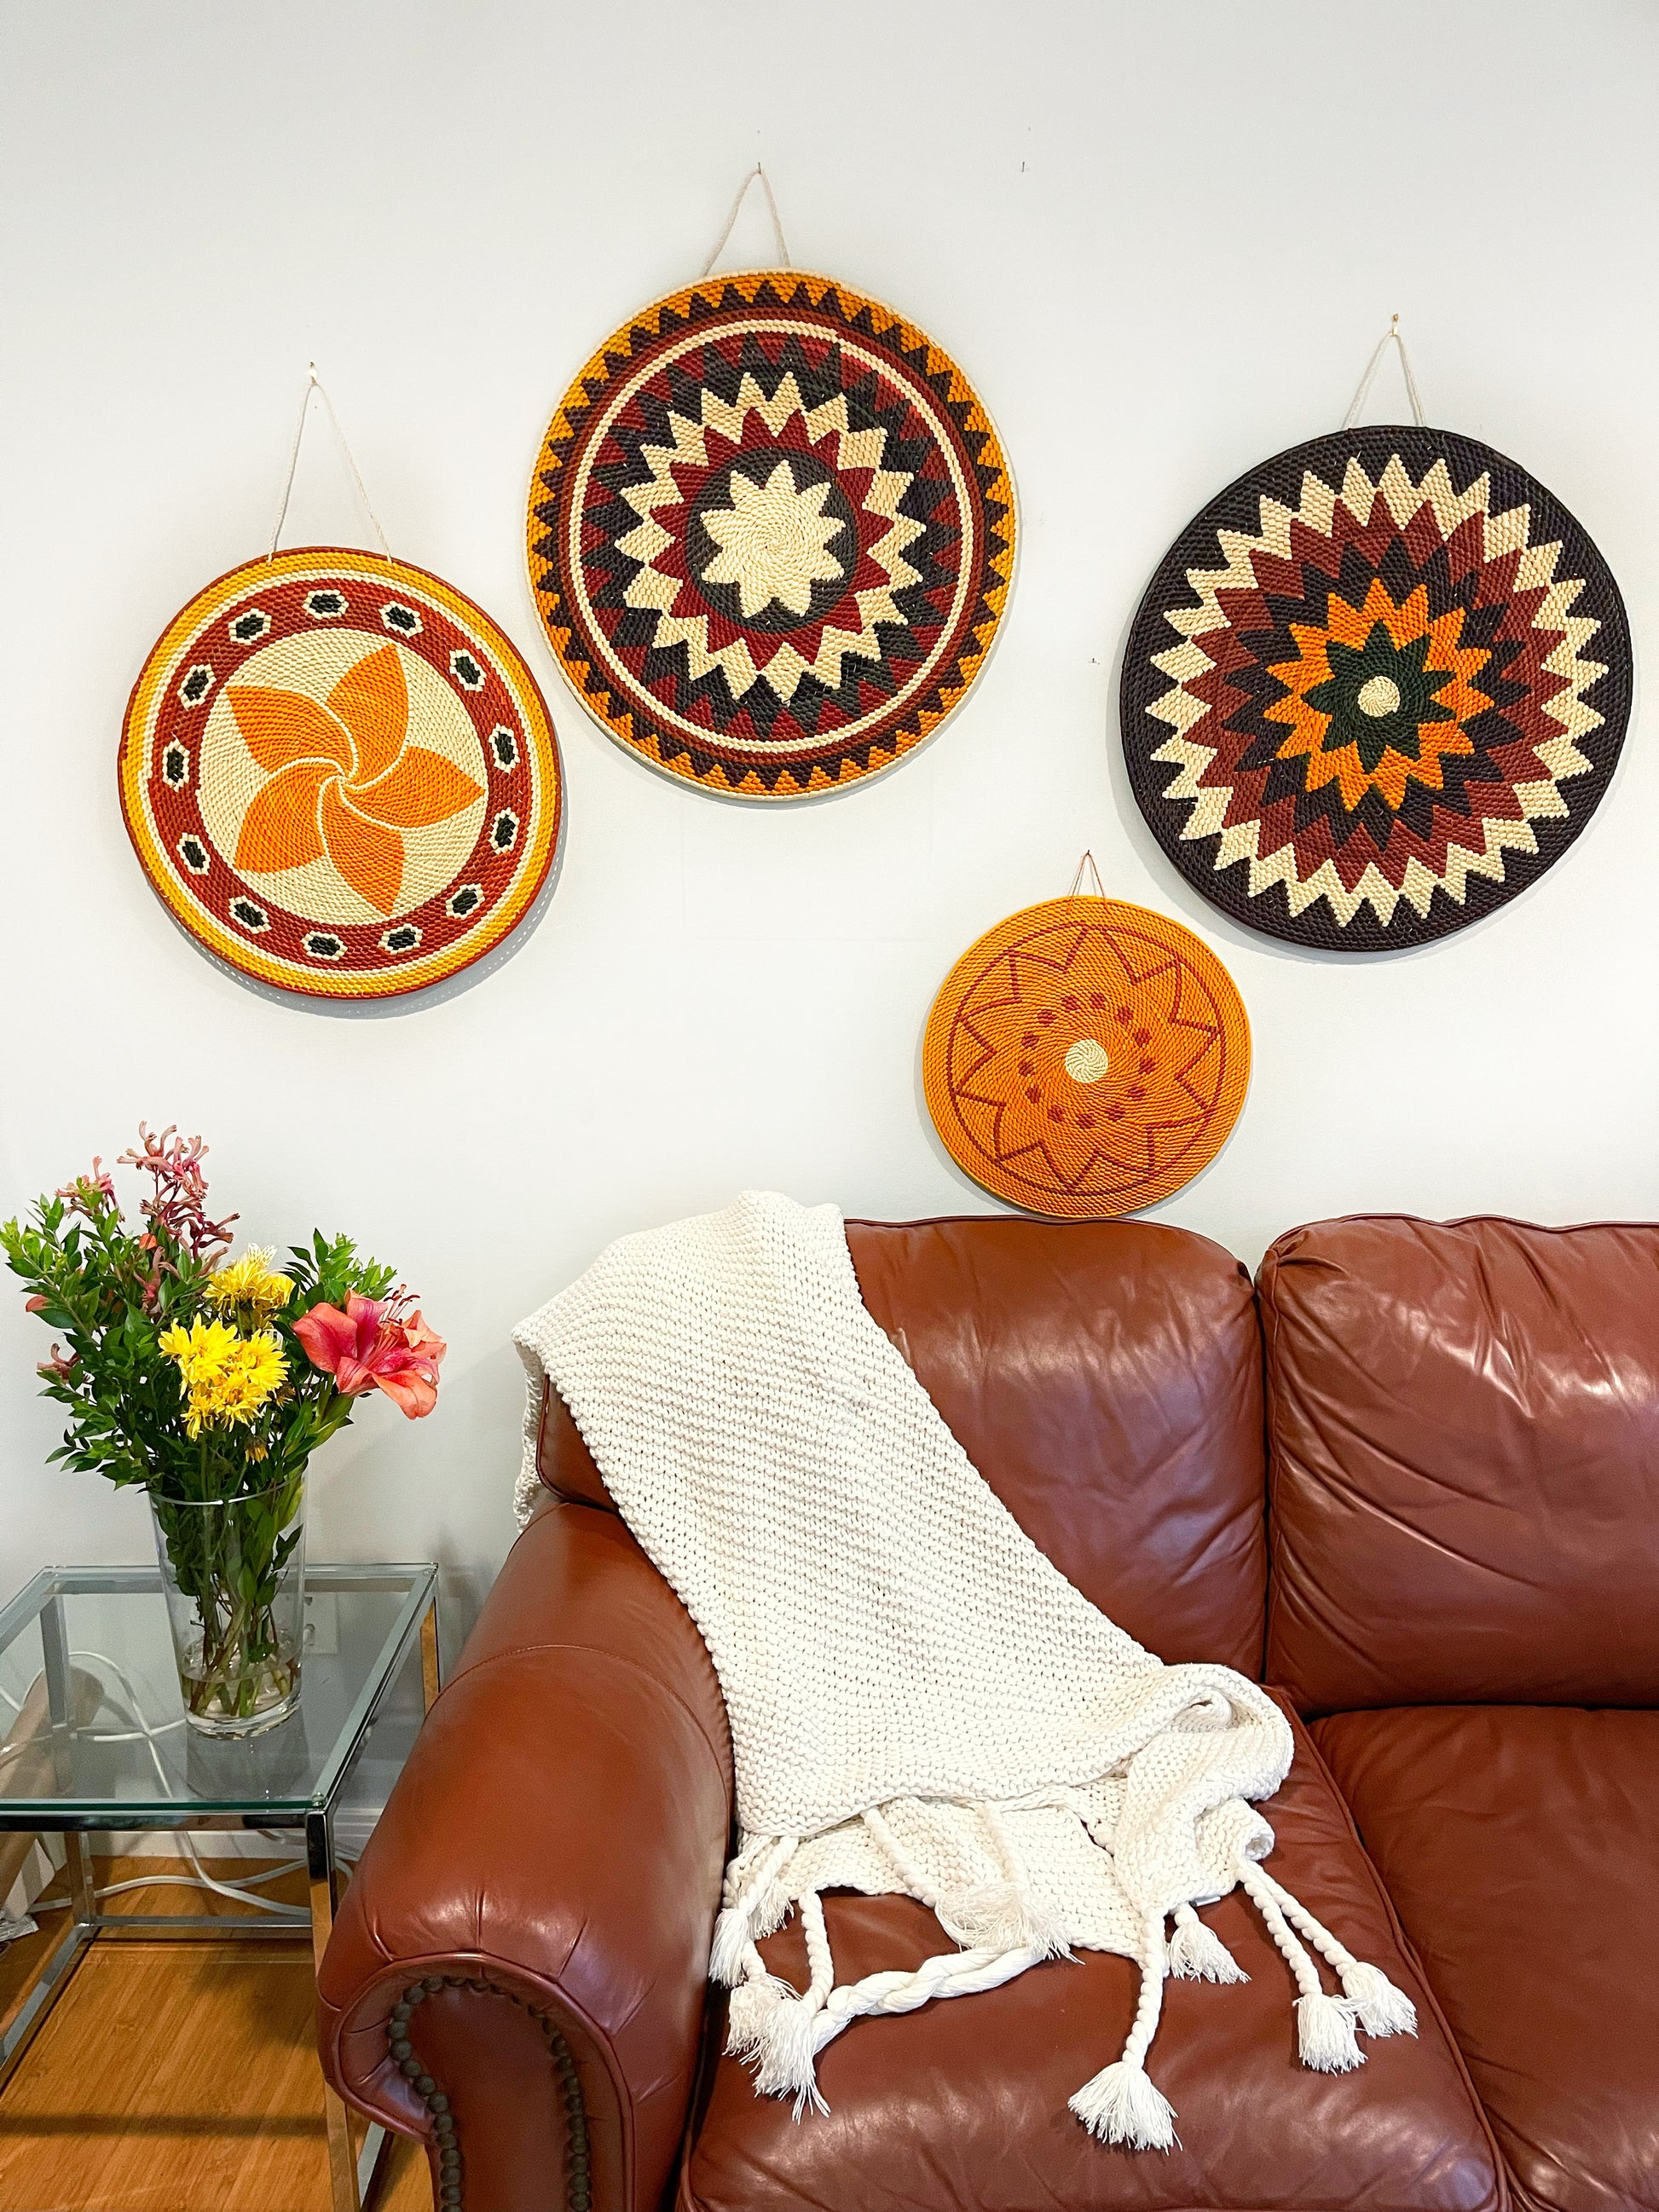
(1375, 688)
(1086, 1058)
(771, 534)
(339, 774)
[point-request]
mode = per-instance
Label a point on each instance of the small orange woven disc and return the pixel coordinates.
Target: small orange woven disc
(1086, 1058)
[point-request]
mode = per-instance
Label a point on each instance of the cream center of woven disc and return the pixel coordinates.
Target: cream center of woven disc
(1379, 695)
(774, 541)
(1086, 1060)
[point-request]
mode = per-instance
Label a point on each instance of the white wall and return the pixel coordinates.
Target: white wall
(1161, 240)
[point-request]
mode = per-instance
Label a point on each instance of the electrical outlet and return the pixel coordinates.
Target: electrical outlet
(322, 1628)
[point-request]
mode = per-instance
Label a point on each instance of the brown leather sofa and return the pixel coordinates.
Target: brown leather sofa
(1410, 1478)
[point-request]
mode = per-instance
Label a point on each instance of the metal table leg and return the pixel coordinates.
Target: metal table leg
(44, 1993)
(349, 2178)
(49, 1982)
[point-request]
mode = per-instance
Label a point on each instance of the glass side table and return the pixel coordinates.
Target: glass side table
(95, 1738)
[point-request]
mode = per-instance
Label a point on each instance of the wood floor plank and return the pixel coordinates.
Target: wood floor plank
(178, 2075)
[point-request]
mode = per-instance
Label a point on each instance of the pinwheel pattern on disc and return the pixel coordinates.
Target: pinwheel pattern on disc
(1375, 689)
(1086, 1058)
(771, 534)
(339, 776)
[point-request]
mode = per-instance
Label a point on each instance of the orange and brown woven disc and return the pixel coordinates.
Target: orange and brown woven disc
(1087, 1058)
(339, 774)
(1375, 688)
(771, 534)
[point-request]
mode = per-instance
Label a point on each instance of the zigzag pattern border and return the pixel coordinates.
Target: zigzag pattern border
(858, 313)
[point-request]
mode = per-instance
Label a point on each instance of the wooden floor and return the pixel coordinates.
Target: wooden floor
(176, 2075)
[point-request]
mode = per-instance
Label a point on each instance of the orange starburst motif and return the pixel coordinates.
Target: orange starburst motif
(1379, 695)
(344, 781)
(1099, 1066)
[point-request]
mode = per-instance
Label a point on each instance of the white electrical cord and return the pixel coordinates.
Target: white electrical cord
(199, 1878)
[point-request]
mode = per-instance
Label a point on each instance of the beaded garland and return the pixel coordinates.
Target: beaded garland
(1374, 689)
(771, 534)
(1086, 1058)
(339, 776)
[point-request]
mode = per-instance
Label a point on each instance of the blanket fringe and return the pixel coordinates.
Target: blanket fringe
(1003, 1916)
(781, 2030)
(1325, 2039)
(1121, 2104)
(1009, 1915)
(1197, 1954)
(787, 2059)
(732, 1941)
(753, 2007)
(1325, 2025)
(1003, 1927)
(1382, 2009)
(756, 1906)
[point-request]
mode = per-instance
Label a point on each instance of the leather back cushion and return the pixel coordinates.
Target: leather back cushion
(1463, 1428)
(1105, 1377)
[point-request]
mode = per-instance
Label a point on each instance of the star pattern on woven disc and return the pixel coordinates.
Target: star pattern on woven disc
(1375, 688)
(770, 544)
(1377, 694)
(1086, 1058)
(1031, 1080)
(774, 541)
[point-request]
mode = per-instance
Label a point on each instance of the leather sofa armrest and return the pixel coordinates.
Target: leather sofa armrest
(518, 1970)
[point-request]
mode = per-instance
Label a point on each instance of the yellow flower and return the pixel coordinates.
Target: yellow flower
(250, 1281)
(227, 1377)
(203, 1348)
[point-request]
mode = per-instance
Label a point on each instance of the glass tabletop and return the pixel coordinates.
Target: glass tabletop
(92, 1722)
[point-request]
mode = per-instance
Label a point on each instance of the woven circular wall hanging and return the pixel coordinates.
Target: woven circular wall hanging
(771, 534)
(1374, 689)
(339, 774)
(1086, 1058)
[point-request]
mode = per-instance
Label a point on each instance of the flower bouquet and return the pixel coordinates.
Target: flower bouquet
(209, 1381)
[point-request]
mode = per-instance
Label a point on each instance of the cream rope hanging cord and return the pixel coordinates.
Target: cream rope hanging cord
(968, 1730)
(719, 248)
(314, 383)
(1390, 336)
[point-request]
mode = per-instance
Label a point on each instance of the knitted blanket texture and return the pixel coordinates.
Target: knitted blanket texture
(920, 1701)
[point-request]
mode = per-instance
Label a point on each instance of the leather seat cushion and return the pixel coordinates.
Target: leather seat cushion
(962, 2104)
(1463, 1423)
(1521, 1846)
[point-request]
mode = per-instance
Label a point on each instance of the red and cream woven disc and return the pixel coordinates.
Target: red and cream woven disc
(339, 776)
(771, 533)
(1086, 1058)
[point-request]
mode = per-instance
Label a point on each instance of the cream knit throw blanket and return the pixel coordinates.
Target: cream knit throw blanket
(920, 1701)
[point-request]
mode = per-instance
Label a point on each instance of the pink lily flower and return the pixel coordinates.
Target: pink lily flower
(372, 1346)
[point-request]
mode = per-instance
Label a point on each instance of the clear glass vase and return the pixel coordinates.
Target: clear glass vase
(234, 1572)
